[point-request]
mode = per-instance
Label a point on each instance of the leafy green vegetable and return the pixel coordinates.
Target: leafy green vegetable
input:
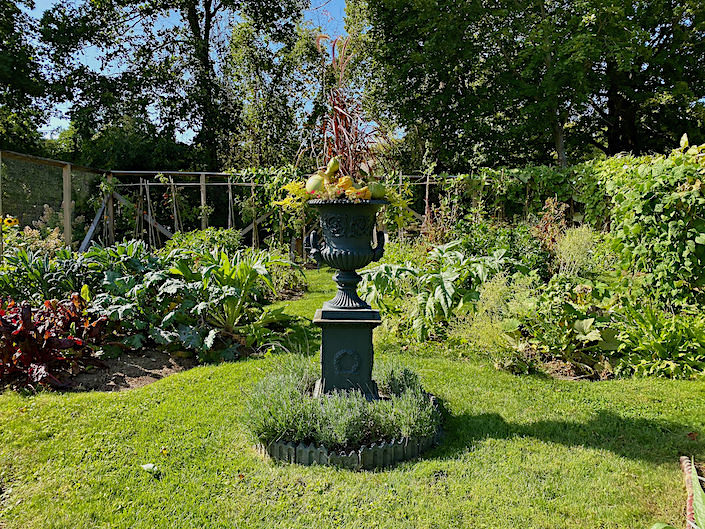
(434, 292)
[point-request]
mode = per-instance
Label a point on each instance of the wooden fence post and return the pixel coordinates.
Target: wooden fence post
(231, 213)
(400, 233)
(174, 205)
(255, 232)
(139, 214)
(67, 204)
(111, 211)
(204, 213)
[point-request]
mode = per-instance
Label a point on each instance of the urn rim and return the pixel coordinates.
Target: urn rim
(346, 202)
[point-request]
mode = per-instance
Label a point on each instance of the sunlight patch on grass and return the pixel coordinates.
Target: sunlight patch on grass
(321, 288)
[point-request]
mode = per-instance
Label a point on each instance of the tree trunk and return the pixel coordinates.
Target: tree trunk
(559, 139)
(622, 135)
(204, 76)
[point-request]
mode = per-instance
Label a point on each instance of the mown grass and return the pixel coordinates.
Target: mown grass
(321, 287)
(525, 452)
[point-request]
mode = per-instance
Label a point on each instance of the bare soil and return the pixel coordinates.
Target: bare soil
(130, 371)
(560, 370)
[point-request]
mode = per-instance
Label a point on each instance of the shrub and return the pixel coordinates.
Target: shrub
(574, 250)
(410, 414)
(658, 221)
(523, 252)
(32, 240)
(511, 193)
(592, 328)
(277, 408)
(552, 224)
(395, 380)
(411, 252)
(205, 241)
(656, 343)
(430, 295)
(211, 304)
(288, 278)
(605, 261)
(495, 328)
(345, 418)
(51, 221)
(281, 407)
(36, 344)
(575, 323)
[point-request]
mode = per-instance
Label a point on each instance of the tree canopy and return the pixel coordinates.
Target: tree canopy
(22, 84)
(276, 79)
(529, 81)
(206, 84)
(162, 61)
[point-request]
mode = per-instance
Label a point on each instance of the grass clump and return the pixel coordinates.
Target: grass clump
(575, 250)
(282, 408)
(495, 327)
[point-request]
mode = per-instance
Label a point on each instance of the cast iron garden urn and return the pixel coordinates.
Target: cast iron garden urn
(346, 321)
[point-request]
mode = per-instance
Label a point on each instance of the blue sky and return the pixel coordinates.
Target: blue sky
(328, 14)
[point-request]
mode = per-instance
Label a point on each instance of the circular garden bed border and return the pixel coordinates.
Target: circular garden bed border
(377, 455)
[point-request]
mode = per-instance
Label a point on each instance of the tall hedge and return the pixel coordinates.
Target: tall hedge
(658, 219)
(653, 205)
(512, 193)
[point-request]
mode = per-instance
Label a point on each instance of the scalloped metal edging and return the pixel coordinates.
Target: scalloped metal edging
(384, 454)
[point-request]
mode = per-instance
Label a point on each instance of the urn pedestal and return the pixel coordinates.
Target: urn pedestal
(346, 321)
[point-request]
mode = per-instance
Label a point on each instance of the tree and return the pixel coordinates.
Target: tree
(22, 84)
(158, 58)
(537, 59)
(127, 143)
(443, 74)
(650, 74)
(536, 81)
(277, 81)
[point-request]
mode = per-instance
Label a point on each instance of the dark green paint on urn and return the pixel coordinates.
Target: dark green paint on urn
(349, 233)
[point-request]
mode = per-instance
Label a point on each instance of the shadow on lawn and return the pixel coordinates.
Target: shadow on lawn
(643, 439)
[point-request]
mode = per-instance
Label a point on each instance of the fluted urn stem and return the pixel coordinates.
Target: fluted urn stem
(347, 296)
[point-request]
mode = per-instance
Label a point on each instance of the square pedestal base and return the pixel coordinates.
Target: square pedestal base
(347, 354)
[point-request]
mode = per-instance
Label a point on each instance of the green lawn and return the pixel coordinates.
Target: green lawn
(321, 287)
(519, 452)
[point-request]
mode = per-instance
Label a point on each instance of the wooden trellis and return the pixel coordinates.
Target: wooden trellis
(225, 180)
(145, 217)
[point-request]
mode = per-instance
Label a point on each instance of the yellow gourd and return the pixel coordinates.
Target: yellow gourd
(345, 182)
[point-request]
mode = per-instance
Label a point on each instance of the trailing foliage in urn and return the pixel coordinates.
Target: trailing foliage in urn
(346, 141)
(331, 184)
